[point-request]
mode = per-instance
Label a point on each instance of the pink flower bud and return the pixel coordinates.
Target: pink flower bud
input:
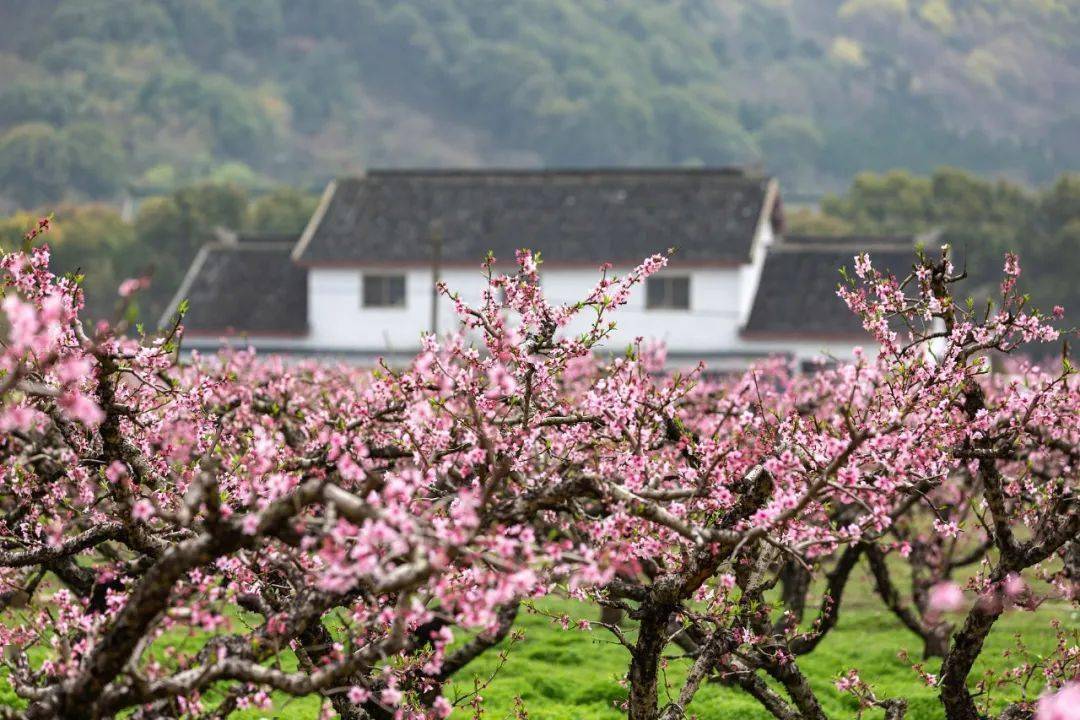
(1062, 705)
(946, 596)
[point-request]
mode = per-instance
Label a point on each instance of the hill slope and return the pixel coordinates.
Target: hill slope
(102, 96)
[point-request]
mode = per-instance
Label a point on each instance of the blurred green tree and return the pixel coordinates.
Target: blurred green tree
(96, 162)
(285, 211)
(982, 219)
(34, 164)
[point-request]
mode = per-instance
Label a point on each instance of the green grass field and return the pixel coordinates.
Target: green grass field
(571, 674)
(574, 674)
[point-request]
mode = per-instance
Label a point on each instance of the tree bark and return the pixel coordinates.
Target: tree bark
(795, 585)
(967, 644)
(935, 637)
(611, 615)
(645, 659)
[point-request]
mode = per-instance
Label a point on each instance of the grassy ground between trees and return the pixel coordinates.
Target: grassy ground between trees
(571, 674)
(574, 674)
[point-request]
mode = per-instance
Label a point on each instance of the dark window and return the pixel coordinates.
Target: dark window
(811, 367)
(667, 293)
(384, 290)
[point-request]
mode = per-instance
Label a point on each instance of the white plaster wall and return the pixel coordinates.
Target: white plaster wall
(337, 320)
(750, 275)
(709, 324)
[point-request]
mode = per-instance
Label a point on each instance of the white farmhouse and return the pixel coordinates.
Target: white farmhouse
(359, 281)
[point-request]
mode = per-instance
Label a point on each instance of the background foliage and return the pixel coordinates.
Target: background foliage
(982, 219)
(103, 96)
(94, 240)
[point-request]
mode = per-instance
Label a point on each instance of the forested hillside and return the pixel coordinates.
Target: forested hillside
(102, 98)
(980, 219)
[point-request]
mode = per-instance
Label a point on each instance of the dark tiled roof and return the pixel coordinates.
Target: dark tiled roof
(570, 216)
(248, 287)
(796, 296)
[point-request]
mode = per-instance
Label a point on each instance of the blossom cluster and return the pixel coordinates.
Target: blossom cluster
(383, 525)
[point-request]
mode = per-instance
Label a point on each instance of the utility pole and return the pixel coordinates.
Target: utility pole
(435, 233)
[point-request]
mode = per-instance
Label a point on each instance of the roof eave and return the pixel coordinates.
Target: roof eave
(314, 222)
(727, 264)
(185, 285)
(772, 196)
(815, 335)
(204, 333)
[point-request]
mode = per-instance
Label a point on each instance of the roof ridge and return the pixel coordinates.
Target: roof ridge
(830, 243)
(815, 237)
(837, 247)
(735, 171)
(286, 245)
(253, 237)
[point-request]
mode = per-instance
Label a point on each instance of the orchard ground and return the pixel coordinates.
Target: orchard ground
(573, 674)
